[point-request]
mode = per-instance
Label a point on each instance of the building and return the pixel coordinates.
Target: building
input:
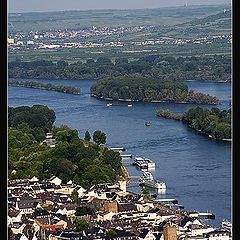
(170, 232)
(10, 40)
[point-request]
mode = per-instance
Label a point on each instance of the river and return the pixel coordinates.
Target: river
(196, 169)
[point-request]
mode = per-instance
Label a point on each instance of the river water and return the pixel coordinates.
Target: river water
(196, 169)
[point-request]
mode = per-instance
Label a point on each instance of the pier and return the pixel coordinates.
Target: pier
(126, 155)
(167, 200)
(118, 149)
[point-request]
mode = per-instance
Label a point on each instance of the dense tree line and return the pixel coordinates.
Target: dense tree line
(167, 114)
(72, 158)
(46, 86)
(149, 89)
(207, 68)
(214, 123)
(34, 121)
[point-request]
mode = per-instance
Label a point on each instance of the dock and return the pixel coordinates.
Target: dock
(126, 155)
(167, 200)
(118, 149)
(204, 215)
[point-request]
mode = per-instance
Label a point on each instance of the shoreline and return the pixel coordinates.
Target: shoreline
(42, 88)
(152, 101)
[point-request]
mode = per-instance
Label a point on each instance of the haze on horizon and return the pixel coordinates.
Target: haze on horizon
(16, 6)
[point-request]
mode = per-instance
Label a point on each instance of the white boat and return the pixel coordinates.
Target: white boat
(157, 185)
(129, 105)
(144, 163)
(147, 176)
(150, 163)
(147, 123)
(147, 180)
(109, 104)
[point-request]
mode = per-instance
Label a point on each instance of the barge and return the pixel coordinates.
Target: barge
(147, 180)
(144, 163)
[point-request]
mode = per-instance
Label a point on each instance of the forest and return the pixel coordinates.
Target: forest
(205, 68)
(149, 90)
(214, 123)
(85, 161)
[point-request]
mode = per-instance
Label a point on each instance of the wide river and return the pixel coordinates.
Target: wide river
(196, 169)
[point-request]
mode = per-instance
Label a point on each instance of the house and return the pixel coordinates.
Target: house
(26, 204)
(127, 207)
(41, 213)
(14, 216)
(145, 207)
(105, 216)
(187, 221)
(64, 189)
(18, 228)
(55, 180)
(218, 235)
(146, 234)
(29, 232)
(123, 235)
(20, 236)
(68, 209)
(36, 188)
(199, 230)
(48, 187)
(80, 190)
(33, 179)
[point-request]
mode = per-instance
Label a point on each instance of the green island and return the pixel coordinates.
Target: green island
(45, 86)
(205, 68)
(65, 155)
(214, 123)
(148, 90)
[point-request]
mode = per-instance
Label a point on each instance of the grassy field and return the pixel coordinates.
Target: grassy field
(78, 54)
(187, 23)
(81, 19)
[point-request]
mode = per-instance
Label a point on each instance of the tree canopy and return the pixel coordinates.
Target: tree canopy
(72, 158)
(206, 67)
(214, 123)
(149, 89)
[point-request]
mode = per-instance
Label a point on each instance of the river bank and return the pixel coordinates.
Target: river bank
(146, 101)
(42, 86)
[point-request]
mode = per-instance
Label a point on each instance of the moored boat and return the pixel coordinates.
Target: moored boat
(155, 184)
(147, 123)
(148, 180)
(147, 176)
(144, 163)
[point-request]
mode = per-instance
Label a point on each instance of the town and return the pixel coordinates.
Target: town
(53, 210)
(58, 39)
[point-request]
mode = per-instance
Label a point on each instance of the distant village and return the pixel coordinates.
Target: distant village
(52, 210)
(58, 39)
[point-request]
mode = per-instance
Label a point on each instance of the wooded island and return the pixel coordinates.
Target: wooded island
(214, 123)
(45, 86)
(148, 90)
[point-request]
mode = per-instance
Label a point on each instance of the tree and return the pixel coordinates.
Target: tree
(87, 136)
(74, 196)
(99, 137)
(83, 210)
(112, 158)
(62, 63)
(80, 225)
(111, 233)
(146, 193)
